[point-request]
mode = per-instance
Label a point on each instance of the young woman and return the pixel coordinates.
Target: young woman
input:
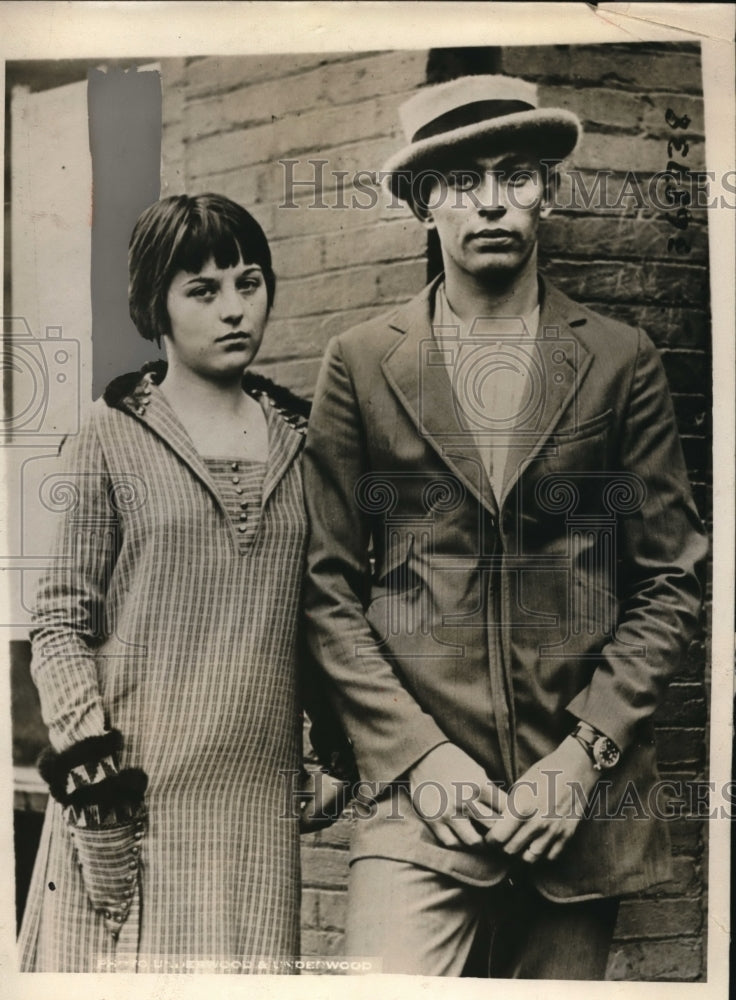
(164, 637)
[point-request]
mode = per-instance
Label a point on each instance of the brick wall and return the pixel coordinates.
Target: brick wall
(228, 121)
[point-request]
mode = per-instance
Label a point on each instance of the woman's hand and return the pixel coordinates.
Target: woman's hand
(323, 797)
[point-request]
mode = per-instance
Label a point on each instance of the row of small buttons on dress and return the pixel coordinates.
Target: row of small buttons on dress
(118, 916)
(294, 420)
(242, 527)
(146, 390)
(141, 410)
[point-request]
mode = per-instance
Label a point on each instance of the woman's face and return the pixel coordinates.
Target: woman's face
(217, 318)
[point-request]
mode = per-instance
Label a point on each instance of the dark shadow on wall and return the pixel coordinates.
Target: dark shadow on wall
(125, 142)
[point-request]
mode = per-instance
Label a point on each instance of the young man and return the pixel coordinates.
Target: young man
(504, 571)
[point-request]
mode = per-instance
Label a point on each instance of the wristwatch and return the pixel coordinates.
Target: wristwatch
(602, 751)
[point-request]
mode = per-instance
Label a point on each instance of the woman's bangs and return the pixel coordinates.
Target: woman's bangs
(209, 240)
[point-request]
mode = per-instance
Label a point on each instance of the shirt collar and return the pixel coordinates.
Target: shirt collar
(517, 327)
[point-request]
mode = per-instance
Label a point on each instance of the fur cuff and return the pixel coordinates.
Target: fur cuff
(55, 767)
(125, 788)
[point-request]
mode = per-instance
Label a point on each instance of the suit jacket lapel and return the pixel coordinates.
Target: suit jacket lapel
(418, 375)
(560, 364)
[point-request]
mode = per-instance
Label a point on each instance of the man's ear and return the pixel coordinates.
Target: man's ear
(422, 213)
(551, 180)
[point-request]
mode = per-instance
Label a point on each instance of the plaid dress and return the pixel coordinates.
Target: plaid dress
(166, 616)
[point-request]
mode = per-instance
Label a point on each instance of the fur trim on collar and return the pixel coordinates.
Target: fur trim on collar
(122, 388)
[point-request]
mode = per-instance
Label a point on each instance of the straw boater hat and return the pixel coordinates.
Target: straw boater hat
(496, 111)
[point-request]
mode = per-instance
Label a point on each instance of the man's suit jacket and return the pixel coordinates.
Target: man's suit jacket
(496, 624)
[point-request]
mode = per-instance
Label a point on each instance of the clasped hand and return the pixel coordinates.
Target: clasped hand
(454, 796)
(463, 807)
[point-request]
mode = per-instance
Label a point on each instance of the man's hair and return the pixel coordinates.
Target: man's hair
(182, 233)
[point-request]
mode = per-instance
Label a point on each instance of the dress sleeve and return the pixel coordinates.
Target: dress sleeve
(69, 613)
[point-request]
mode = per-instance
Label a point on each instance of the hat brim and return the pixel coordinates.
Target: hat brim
(552, 133)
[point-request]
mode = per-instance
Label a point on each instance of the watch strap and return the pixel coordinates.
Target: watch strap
(587, 736)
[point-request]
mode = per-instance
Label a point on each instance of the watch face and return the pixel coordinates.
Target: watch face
(606, 752)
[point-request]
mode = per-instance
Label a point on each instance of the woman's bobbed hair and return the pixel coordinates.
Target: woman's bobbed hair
(182, 233)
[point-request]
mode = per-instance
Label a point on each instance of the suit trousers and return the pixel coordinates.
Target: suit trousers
(416, 921)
